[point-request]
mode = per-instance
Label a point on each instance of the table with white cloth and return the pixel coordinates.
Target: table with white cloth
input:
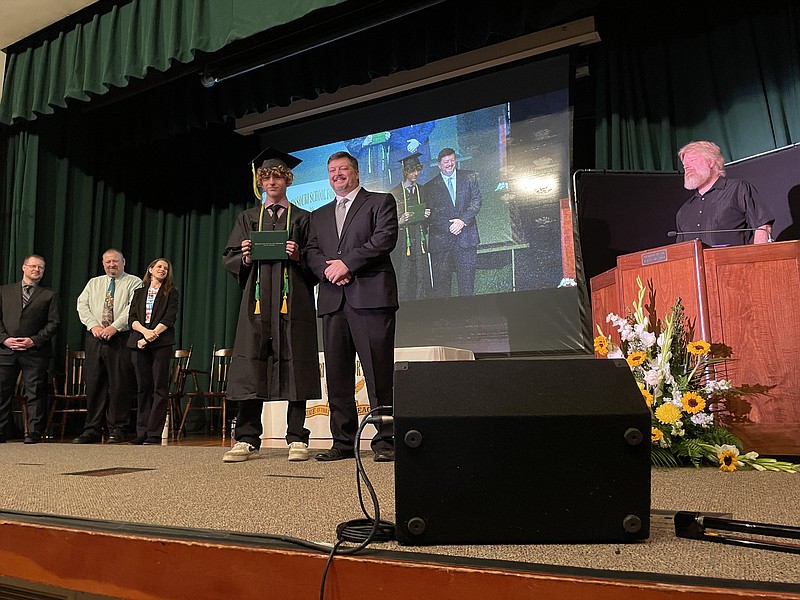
(273, 417)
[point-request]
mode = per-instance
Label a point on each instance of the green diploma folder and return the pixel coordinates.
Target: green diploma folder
(417, 213)
(269, 245)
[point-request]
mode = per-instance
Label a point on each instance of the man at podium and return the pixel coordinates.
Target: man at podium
(721, 211)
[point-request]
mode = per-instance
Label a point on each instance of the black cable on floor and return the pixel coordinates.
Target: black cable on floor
(370, 529)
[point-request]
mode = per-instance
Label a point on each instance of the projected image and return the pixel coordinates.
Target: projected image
(488, 266)
(478, 196)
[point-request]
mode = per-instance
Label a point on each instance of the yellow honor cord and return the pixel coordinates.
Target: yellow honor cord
(255, 183)
(405, 210)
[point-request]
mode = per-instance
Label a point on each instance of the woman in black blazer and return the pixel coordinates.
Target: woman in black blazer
(152, 319)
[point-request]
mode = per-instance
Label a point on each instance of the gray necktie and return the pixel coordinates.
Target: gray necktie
(27, 290)
(341, 212)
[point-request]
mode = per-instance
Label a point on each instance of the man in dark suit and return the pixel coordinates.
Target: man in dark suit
(28, 319)
(349, 246)
(454, 198)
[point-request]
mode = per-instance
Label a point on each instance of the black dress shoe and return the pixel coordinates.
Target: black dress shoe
(139, 440)
(152, 441)
(32, 438)
(335, 454)
(116, 437)
(87, 437)
(384, 455)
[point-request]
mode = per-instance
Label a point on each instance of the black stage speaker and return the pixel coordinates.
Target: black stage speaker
(520, 451)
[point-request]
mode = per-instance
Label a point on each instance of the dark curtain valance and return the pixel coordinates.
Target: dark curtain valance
(128, 41)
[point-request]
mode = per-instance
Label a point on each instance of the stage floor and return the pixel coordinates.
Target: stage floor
(189, 487)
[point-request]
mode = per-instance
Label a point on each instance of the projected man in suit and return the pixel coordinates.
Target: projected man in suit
(28, 319)
(349, 246)
(454, 197)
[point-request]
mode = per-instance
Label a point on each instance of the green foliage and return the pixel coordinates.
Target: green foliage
(661, 457)
(720, 436)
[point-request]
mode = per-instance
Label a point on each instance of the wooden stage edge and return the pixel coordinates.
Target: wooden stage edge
(140, 562)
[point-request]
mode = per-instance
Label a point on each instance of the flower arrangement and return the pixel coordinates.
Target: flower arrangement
(676, 375)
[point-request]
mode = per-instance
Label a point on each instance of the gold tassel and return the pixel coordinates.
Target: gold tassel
(255, 183)
(284, 309)
(408, 251)
(257, 311)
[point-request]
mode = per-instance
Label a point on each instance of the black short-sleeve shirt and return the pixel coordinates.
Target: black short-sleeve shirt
(729, 204)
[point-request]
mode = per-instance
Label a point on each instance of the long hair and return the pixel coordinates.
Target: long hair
(708, 150)
(168, 282)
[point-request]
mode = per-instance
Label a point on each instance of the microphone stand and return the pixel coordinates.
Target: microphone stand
(695, 526)
(684, 233)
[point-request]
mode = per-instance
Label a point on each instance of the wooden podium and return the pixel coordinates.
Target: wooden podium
(744, 296)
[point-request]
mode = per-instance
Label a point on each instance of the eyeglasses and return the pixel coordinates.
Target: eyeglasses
(40, 267)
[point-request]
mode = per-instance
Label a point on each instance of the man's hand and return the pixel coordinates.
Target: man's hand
(18, 344)
(337, 272)
(150, 335)
(456, 225)
(403, 219)
(104, 333)
(246, 251)
(293, 250)
(762, 234)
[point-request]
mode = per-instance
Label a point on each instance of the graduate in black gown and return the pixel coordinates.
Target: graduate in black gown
(410, 256)
(275, 352)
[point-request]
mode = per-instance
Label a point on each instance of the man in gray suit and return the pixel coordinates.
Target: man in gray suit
(349, 246)
(28, 319)
(454, 198)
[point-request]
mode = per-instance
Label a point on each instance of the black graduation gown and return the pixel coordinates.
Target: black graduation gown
(410, 255)
(275, 356)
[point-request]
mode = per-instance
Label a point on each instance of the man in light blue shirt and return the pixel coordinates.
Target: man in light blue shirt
(110, 385)
(454, 197)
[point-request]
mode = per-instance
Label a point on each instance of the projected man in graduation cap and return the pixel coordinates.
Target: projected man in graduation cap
(275, 352)
(410, 256)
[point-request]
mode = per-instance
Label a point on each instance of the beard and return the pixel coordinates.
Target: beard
(695, 178)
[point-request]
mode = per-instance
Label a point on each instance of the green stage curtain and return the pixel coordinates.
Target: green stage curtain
(69, 200)
(728, 72)
(125, 41)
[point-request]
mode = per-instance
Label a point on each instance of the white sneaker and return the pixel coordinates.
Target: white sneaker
(240, 452)
(298, 451)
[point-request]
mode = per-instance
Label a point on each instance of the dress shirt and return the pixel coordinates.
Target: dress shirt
(90, 301)
(349, 200)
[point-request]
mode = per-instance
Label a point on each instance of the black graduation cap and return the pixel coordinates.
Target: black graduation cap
(273, 157)
(411, 161)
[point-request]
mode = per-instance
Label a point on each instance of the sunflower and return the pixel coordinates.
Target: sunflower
(698, 347)
(648, 397)
(693, 403)
(635, 359)
(668, 413)
(601, 345)
(656, 435)
(728, 457)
